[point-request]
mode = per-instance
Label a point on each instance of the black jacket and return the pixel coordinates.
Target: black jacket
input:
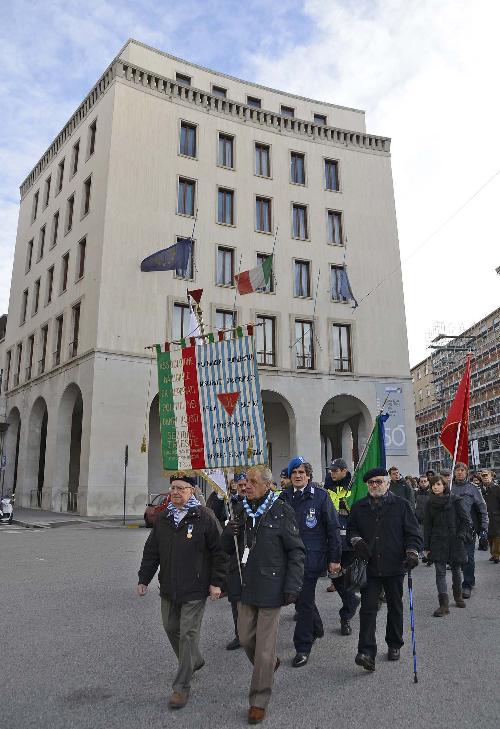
(275, 564)
(403, 490)
(445, 529)
(319, 527)
(398, 532)
(218, 506)
(492, 499)
(422, 497)
(188, 564)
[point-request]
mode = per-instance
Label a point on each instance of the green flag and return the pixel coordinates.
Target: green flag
(373, 457)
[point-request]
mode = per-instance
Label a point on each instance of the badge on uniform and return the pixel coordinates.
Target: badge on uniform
(311, 520)
(190, 531)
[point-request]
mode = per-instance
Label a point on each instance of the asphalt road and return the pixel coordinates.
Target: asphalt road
(80, 649)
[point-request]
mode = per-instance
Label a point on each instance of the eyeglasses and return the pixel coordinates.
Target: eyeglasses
(375, 482)
(180, 488)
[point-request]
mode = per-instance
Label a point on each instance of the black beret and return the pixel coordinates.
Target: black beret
(182, 477)
(374, 472)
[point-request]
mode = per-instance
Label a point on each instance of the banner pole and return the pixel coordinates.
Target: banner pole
(455, 452)
(231, 514)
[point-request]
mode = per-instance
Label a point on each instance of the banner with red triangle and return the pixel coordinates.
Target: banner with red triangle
(228, 401)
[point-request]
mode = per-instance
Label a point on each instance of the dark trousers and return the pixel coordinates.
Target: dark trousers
(309, 624)
(469, 569)
(393, 587)
(234, 608)
(349, 599)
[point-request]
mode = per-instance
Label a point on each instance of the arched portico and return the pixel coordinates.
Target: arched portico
(345, 425)
(11, 451)
(68, 450)
(279, 418)
(156, 481)
(34, 480)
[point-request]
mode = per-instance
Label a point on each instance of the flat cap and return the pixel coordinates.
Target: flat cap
(183, 477)
(338, 463)
(374, 472)
(240, 477)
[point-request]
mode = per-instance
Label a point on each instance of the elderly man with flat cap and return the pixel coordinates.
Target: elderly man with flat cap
(383, 531)
(185, 544)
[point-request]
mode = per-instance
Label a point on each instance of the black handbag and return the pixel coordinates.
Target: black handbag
(355, 577)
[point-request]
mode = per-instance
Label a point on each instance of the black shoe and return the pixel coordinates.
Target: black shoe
(393, 654)
(233, 645)
(300, 660)
(466, 592)
(319, 634)
(496, 560)
(345, 627)
(366, 662)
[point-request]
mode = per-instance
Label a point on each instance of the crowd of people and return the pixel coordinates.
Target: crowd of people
(266, 546)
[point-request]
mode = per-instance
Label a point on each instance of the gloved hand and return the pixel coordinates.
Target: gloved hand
(290, 598)
(411, 560)
(234, 527)
(361, 550)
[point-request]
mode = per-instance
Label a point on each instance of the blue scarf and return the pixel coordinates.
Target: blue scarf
(180, 513)
(254, 515)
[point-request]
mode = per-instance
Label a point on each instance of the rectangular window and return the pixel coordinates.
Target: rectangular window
(8, 361)
(44, 333)
(219, 91)
(225, 320)
(320, 119)
(82, 248)
(302, 279)
(263, 214)
(288, 111)
(36, 297)
(262, 160)
(225, 266)
(55, 229)
(47, 191)
(181, 78)
(225, 206)
(91, 140)
(41, 243)
(70, 208)
(265, 333)
(304, 345)
(86, 196)
(336, 276)
(270, 284)
(59, 333)
(187, 145)
(24, 306)
(254, 102)
(331, 175)
(74, 158)
(297, 168)
(342, 348)
(180, 323)
(73, 345)
(186, 197)
(35, 206)
(189, 275)
(50, 285)
(18, 364)
(64, 272)
(334, 223)
(29, 255)
(299, 220)
(60, 175)
(225, 151)
(29, 362)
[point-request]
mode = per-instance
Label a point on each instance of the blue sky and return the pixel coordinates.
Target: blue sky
(424, 71)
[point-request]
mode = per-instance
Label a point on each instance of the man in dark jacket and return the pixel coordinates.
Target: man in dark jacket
(399, 487)
(492, 499)
(185, 544)
(384, 532)
(265, 572)
(320, 531)
(422, 497)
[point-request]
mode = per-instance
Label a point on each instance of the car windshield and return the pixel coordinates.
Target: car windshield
(156, 501)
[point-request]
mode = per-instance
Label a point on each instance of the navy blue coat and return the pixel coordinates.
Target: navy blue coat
(319, 527)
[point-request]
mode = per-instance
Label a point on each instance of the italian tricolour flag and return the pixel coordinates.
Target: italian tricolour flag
(256, 278)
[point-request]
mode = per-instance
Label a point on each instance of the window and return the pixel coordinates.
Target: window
(419, 374)
(74, 158)
(225, 266)
(50, 285)
(342, 348)
(59, 333)
(7, 370)
(302, 279)
(24, 306)
(55, 229)
(60, 175)
(29, 364)
(186, 196)
(420, 395)
(82, 247)
(91, 139)
(18, 363)
(297, 168)
(320, 119)
(334, 226)
(225, 320)
(336, 277)
(225, 206)
(181, 78)
(64, 272)
(426, 370)
(219, 91)
(304, 349)
(188, 140)
(299, 220)
(190, 265)
(287, 111)
(29, 255)
(225, 151)
(263, 214)
(331, 175)
(70, 207)
(36, 297)
(41, 243)
(47, 191)
(261, 257)
(35, 206)
(73, 345)
(266, 340)
(262, 160)
(180, 324)
(43, 345)
(86, 196)
(254, 102)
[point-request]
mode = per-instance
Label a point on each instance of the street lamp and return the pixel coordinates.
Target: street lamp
(4, 426)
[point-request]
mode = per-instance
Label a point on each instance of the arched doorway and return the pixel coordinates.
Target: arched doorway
(11, 452)
(35, 454)
(156, 480)
(280, 430)
(345, 425)
(68, 450)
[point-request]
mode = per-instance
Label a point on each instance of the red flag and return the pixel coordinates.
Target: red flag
(459, 414)
(196, 294)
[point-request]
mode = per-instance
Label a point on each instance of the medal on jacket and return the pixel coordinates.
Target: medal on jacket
(190, 531)
(311, 520)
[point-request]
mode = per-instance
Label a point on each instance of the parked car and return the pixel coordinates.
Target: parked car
(158, 504)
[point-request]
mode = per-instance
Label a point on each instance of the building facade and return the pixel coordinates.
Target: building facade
(159, 148)
(435, 381)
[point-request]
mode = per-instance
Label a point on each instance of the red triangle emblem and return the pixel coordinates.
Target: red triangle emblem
(228, 401)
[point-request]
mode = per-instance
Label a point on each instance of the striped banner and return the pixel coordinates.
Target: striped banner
(211, 413)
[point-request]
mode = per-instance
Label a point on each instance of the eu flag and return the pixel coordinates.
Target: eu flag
(175, 258)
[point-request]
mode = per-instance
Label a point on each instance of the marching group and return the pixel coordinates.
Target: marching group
(267, 547)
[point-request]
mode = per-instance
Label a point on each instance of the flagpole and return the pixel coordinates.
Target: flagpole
(367, 444)
(236, 287)
(455, 452)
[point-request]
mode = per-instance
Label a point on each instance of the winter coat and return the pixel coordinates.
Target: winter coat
(275, 563)
(403, 490)
(445, 529)
(422, 497)
(190, 556)
(338, 491)
(492, 499)
(473, 502)
(218, 506)
(398, 531)
(319, 527)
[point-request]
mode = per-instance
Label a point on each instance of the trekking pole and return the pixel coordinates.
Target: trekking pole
(412, 623)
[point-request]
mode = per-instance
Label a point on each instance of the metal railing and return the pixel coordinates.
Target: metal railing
(69, 499)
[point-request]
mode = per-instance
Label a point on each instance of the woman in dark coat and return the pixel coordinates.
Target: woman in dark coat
(492, 498)
(445, 530)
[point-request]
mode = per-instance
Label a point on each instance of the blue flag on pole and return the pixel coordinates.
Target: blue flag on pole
(175, 258)
(345, 288)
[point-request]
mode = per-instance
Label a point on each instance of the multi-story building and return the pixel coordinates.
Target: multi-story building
(435, 382)
(161, 147)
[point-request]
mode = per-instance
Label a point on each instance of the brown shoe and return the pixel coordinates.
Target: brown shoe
(177, 700)
(256, 715)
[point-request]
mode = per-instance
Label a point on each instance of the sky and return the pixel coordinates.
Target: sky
(425, 72)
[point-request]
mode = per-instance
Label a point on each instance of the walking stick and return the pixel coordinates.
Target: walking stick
(231, 515)
(412, 623)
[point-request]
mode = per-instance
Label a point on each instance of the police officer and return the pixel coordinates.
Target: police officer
(320, 531)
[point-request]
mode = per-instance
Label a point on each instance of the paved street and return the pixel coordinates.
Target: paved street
(80, 649)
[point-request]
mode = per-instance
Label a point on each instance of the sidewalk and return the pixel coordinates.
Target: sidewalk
(40, 519)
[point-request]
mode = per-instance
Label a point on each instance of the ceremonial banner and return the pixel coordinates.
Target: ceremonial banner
(211, 412)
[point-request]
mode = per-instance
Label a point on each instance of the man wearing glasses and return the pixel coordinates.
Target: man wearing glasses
(185, 544)
(384, 532)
